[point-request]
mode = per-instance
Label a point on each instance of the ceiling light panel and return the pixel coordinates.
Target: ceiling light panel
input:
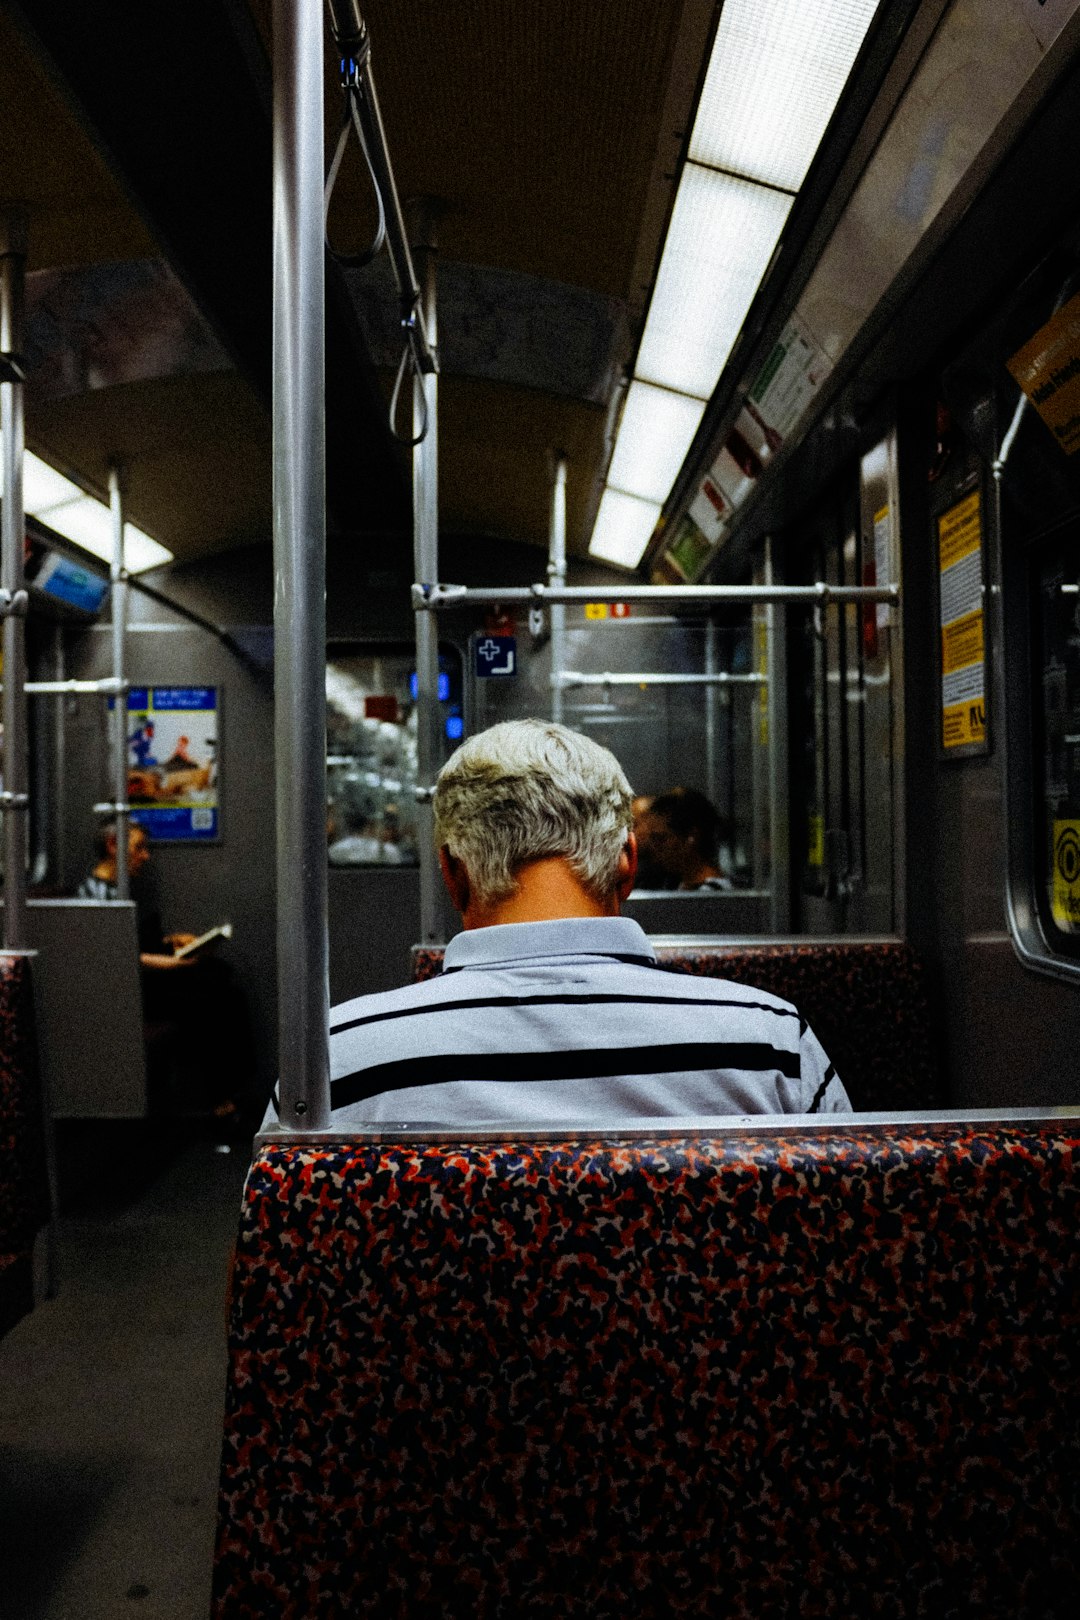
(624, 526)
(722, 235)
(654, 435)
(774, 78)
(80, 518)
(140, 552)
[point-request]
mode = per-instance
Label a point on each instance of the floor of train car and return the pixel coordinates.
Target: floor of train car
(112, 1393)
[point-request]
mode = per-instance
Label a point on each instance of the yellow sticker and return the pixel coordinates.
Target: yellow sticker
(960, 530)
(1065, 895)
(962, 642)
(815, 841)
(1048, 370)
(964, 723)
(596, 610)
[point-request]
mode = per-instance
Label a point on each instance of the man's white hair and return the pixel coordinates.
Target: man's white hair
(528, 789)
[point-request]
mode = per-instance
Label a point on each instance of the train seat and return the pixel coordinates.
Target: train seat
(774, 1372)
(866, 1000)
(24, 1184)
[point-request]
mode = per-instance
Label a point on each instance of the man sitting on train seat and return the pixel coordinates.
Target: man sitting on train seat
(550, 1008)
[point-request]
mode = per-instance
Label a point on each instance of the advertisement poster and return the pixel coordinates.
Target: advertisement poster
(173, 761)
(963, 640)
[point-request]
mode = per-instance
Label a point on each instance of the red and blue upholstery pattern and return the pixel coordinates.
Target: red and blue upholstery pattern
(866, 1001)
(829, 1374)
(24, 1187)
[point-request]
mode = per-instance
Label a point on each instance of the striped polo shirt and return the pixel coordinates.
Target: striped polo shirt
(570, 1023)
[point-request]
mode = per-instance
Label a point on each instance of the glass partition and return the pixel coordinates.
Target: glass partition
(371, 751)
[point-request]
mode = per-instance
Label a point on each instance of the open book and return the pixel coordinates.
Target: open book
(222, 931)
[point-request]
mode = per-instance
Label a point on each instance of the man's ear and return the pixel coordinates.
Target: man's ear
(626, 871)
(456, 879)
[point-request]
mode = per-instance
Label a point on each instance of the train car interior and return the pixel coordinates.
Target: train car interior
(702, 377)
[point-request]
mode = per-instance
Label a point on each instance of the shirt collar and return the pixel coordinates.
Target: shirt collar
(509, 943)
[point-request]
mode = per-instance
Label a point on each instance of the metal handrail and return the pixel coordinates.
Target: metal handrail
(434, 598)
(577, 677)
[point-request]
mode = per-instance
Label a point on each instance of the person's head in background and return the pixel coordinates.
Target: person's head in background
(679, 837)
(106, 845)
(533, 823)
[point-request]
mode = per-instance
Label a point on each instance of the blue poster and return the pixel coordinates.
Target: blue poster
(173, 761)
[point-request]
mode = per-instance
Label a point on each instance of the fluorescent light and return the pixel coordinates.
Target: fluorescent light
(43, 486)
(654, 436)
(624, 526)
(140, 552)
(81, 518)
(85, 521)
(775, 75)
(718, 247)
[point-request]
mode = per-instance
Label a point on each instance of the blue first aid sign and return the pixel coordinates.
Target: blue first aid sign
(495, 655)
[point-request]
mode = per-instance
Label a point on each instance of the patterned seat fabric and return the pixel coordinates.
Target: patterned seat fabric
(24, 1188)
(866, 1001)
(799, 1374)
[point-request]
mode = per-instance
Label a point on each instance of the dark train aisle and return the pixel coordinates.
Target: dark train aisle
(110, 1428)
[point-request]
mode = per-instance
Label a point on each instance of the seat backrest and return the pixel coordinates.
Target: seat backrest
(866, 1001)
(91, 1007)
(24, 1185)
(832, 1373)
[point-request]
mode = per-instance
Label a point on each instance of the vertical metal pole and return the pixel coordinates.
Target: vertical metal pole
(557, 576)
(13, 238)
(56, 775)
(425, 463)
(779, 831)
(299, 455)
(119, 709)
(712, 716)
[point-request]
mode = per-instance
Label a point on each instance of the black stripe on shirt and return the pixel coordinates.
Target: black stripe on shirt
(585, 1000)
(592, 1063)
(819, 1094)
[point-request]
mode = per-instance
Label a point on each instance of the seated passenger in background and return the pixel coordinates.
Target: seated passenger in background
(194, 1002)
(155, 949)
(679, 834)
(550, 1009)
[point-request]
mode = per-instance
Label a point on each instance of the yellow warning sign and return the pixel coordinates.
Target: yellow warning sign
(964, 723)
(1048, 370)
(1065, 895)
(963, 636)
(596, 610)
(962, 642)
(815, 843)
(960, 530)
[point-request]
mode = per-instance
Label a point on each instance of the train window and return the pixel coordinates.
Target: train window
(1056, 736)
(677, 700)
(371, 751)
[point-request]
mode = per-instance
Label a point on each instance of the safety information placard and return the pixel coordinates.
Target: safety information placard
(1048, 370)
(883, 561)
(963, 642)
(788, 381)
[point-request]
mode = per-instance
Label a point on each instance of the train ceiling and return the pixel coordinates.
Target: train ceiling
(548, 137)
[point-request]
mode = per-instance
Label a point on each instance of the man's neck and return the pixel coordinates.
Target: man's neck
(547, 890)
